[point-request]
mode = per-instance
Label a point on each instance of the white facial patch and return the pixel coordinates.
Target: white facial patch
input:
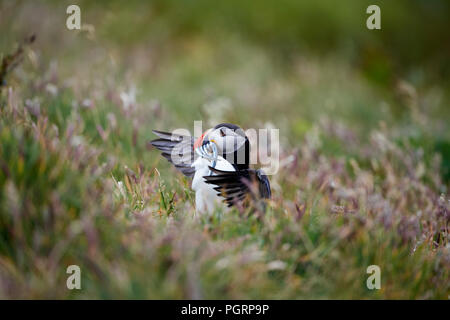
(227, 140)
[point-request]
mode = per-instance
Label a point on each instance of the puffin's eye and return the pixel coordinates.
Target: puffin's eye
(222, 132)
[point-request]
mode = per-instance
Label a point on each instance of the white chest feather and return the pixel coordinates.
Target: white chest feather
(206, 198)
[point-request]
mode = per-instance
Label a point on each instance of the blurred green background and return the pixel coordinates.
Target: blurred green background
(304, 59)
(363, 118)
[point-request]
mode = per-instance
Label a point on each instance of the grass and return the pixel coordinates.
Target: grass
(365, 156)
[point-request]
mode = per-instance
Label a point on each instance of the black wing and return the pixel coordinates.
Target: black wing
(234, 186)
(177, 149)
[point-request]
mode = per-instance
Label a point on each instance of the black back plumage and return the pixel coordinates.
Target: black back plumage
(234, 186)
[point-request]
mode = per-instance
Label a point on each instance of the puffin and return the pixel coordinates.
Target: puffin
(218, 163)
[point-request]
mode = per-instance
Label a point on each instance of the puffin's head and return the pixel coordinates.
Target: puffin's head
(229, 139)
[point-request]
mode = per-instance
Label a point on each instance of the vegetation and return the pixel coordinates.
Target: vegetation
(365, 149)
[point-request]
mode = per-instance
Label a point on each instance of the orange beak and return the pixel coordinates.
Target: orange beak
(199, 141)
